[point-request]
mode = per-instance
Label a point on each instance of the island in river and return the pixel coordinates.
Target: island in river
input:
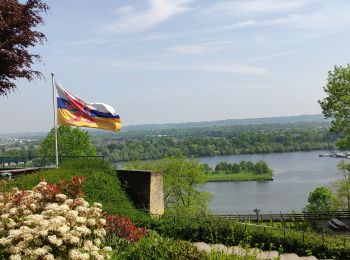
(241, 171)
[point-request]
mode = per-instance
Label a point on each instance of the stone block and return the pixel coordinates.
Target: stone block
(145, 189)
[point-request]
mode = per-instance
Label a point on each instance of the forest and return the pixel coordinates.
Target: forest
(215, 140)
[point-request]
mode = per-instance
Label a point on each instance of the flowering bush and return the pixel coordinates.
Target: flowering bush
(44, 223)
(124, 228)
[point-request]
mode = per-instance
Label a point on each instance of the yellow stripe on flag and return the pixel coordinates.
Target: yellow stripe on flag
(66, 117)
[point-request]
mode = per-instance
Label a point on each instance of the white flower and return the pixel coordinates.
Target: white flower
(84, 256)
(34, 219)
(15, 257)
(5, 216)
(103, 221)
(52, 206)
(54, 240)
(13, 211)
(69, 202)
(107, 249)
(100, 232)
(64, 207)
(27, 212)
(61, 197)
(14, 232)
(40, 251)
(80, 220)
(63, 229)
(72, 214)
(97, 205)
(74, 254)
(74, 240)
(71, 227)
(41, 184)
(15, 250)
(28, 237)
(38, 195)
(5, 241)
(81, 209)
(57, 222)
(89, 246)
(83, 230)
(97, 242)
(49, 257)
(91, 222)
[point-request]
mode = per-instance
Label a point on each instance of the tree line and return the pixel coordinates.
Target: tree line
(149, 147)
(189, 142)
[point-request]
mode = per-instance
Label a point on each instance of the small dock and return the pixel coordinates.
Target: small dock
(344, 155)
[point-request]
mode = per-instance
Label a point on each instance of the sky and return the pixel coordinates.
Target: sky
(162, 61)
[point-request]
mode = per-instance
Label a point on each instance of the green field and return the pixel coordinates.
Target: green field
(239, 177)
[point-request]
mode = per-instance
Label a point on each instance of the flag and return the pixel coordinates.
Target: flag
(74, 111)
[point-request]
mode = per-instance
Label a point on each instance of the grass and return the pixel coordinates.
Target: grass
(239, 177)
(101, 184)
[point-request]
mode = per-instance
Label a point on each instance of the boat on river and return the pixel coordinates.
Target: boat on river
(345, 155)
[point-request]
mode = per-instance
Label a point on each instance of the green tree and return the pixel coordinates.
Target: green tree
(342, 187)
(261, 167)
(183, 178)
(71, 142)
(321, 200)
(337, 103)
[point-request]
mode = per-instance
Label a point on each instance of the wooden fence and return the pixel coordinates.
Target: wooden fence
(13, 162)
(287, 216)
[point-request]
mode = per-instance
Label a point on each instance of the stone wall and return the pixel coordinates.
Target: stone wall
(144, 188)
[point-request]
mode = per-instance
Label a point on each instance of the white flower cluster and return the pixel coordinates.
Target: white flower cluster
(33, 228)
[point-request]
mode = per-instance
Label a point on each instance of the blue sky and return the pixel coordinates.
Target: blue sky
(160, 61)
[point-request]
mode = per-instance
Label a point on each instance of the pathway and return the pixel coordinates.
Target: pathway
(239, 251)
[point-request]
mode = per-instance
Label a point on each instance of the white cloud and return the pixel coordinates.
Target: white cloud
(269, 56)
(219, 66)
(205, 46)
(188, 49)
(289, 20)
(158, 12)
(256, 6)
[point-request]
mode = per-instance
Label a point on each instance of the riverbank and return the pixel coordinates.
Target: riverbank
(222, 177)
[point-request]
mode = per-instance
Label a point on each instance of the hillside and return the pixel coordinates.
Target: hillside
(230, 122)
(101, 184)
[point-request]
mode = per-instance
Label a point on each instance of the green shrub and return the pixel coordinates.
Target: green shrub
(157, 247)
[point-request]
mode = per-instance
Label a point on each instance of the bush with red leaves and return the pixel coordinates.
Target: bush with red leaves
(123, 227)
(72, 188)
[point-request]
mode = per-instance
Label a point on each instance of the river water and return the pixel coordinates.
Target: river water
(295, 175)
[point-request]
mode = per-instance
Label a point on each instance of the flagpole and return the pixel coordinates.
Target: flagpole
(54, 100)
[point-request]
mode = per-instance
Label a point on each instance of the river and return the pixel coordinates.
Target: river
(295, 175)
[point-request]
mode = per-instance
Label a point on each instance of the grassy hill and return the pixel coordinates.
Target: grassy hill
(101, 184)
